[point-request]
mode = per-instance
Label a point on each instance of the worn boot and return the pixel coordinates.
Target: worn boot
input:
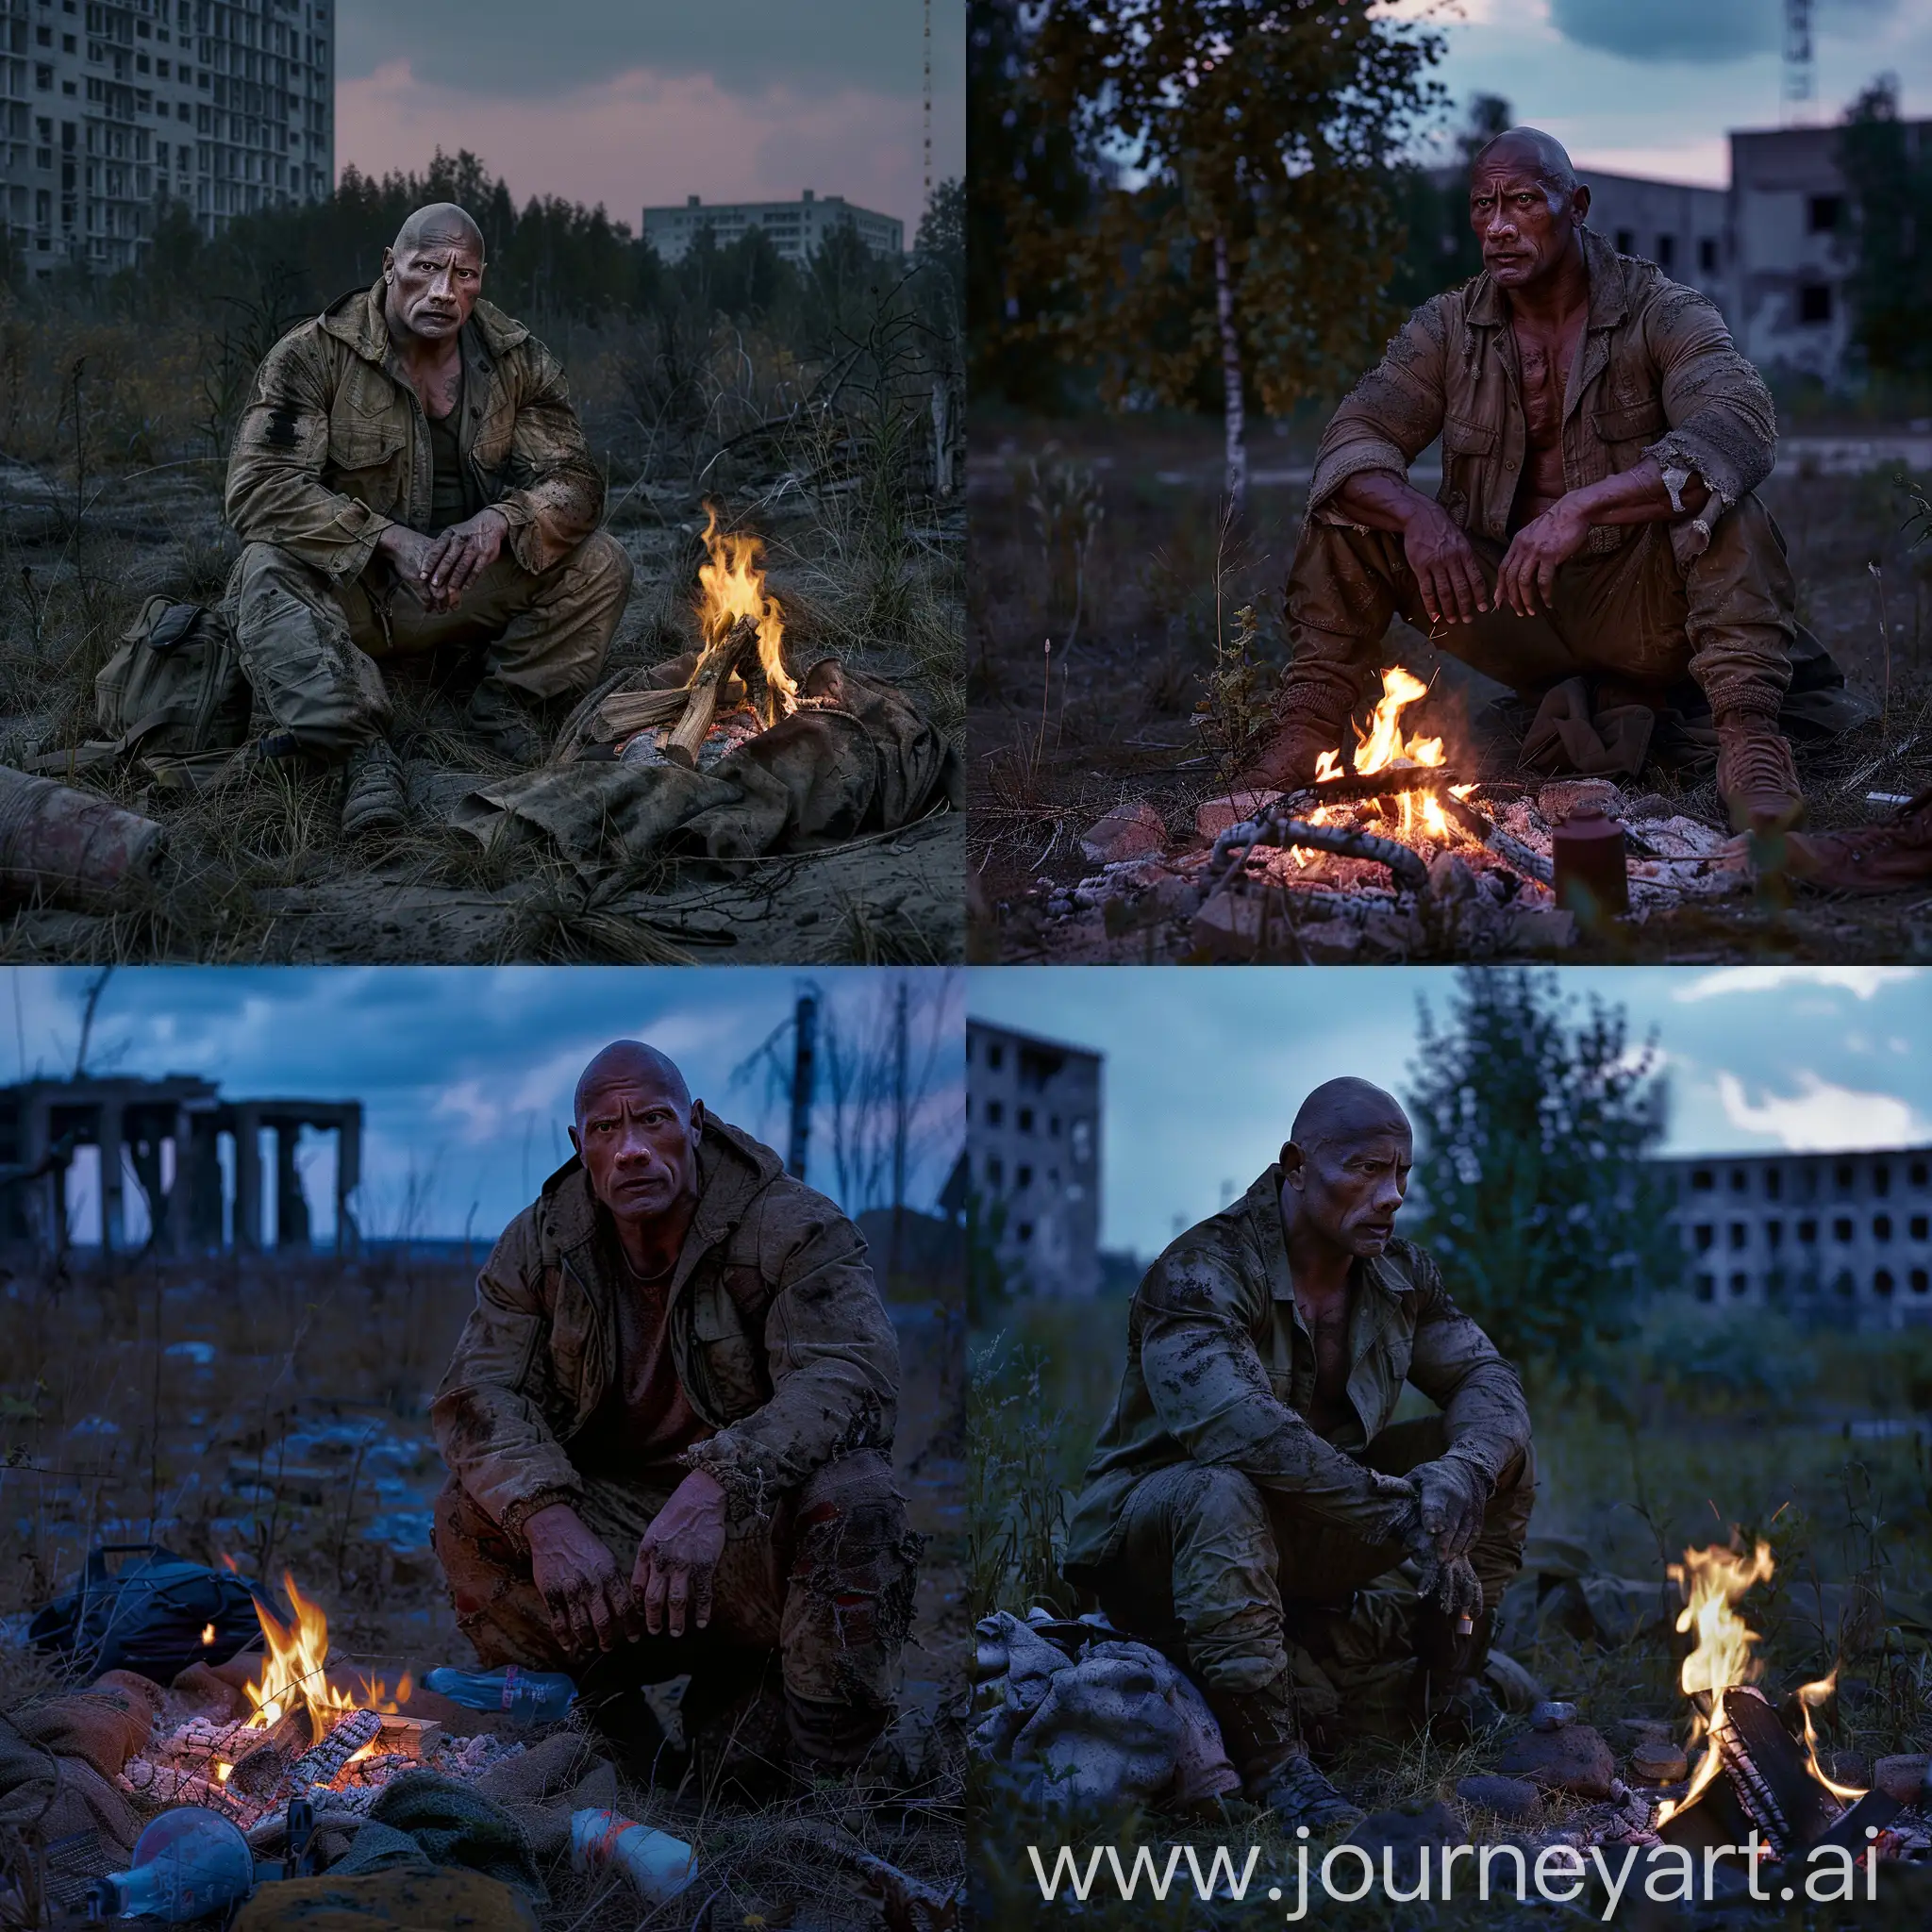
(374, 797)
(1894, 856)
(1756, 777)
(495, 716)
(1447, 1695)
(1263, 1744)
(1309, 722)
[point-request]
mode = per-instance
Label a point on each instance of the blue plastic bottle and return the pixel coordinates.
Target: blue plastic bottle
(530, 1697)
(188, 1863)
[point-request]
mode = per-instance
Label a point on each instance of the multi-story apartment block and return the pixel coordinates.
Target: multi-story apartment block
(796, 228)
(1843, 1238)
(112, 109)
(1033, 1148)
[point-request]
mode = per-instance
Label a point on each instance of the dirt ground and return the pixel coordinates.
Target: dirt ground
(258, 870)
(275, 1410)
(1104, 537)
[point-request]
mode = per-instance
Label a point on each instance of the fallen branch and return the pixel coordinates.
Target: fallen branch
(1509, 849)
(900, 1889)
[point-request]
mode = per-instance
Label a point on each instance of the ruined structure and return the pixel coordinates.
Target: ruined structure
(165, 1136)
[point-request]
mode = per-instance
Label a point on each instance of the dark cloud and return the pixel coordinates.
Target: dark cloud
(1705, 30)
(512, 47)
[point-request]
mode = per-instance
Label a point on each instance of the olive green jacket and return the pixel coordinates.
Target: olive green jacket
(1656, 375)
(334, 447)
(781, 1342)
(1220, 1369)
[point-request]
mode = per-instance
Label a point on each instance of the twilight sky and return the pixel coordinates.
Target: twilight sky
(466, 1074)
(1651, 86)
(629, 102)
(1205, 1068)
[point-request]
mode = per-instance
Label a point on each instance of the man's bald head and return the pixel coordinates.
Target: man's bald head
(631, 1064)
(1542, 155)
(444, 224)
(1346, 1110)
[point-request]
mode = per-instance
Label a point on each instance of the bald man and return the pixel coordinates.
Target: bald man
(410, 476)
(1596, 542)
(1252, 1509)
(669, 1429)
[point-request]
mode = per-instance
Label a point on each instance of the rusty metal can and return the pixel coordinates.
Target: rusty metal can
(1592, 874)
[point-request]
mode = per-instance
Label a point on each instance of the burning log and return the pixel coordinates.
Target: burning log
(1274, 828)
(260, 1768)
(625, 712)
(1769, 1771)
(326, 1762)
(1511, 851)
(738, 648)
(409, 1736)
(1353, 787)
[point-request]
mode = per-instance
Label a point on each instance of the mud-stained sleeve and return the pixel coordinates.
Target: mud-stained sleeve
(1212, 1394)
(489, 1415)
(275, 493)
(1391, 416)
(833, 1357)
(1723, 425)
(555, 496)
(1458, 1367)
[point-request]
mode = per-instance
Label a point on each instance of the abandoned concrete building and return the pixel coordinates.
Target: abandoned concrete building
(1844, 1238)
(211, 1173)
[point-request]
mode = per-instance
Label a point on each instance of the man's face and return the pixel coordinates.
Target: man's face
(434, 285)
(638, 1145)
(1509, 210)
(1351, 1187)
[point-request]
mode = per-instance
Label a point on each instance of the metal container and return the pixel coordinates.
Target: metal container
(1592, 875)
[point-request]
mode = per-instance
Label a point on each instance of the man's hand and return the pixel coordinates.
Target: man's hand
(1444, 565)
(678, 1555)
(1453, 1496)
(435, 571)
(1530, 564)
(590, 1608)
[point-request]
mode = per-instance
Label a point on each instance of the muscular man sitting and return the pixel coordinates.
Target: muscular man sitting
(410, 475)
(1602, 441)
(1249, 1481)
(669, 1428)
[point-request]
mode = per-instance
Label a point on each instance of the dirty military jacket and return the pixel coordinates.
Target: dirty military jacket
(1656, 376)
(1221, 1368)
(335, 446)
(779, 1337)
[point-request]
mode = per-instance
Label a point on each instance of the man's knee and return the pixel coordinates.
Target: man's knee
(300, 659)
(852, 1549)
(604, 567)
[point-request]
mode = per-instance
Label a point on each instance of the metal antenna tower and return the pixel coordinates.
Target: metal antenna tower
(929, 104)
(1801, 70)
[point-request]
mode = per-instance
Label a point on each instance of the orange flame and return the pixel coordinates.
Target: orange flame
(732, 579)
(208, 1634)
(1383, 746)
(295, 1671)
(1713, 1581)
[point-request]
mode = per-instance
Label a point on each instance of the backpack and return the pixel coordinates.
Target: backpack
(176, 685)
(148, 1616)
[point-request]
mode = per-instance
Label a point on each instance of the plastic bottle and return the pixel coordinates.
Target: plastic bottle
(657, 1865)
(530, 1697)
(188, 1863)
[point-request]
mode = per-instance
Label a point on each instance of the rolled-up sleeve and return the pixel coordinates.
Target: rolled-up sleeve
(1391, 416)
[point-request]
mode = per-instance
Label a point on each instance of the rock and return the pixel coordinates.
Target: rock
(1552, 1716)
(1575, 1760)
(1541, 929)
(1179, 896)
(1251, 926)
(1903, 1779)
(1402, 1835)
(1450, 880)
(1387, 934)
(1333, 942)
(1648, 806)
(1555, 802)
(1128, 831)
(1658, 1761)
(1508, 1797)
(1214, 816)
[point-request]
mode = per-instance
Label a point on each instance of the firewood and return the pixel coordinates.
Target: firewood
(409, 1736)
(323, 1764)
(701, 698)
(262, 1767)
(198, 1738)
(626, 711)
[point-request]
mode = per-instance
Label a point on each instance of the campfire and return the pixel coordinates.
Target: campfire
(739, 685)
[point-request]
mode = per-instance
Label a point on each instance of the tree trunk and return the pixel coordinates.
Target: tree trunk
(1235, 409)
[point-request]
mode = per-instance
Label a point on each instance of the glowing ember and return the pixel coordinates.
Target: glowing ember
(208, 1634)
(1383, 747)
(1713, 1581)
(732, 580)
(294, 1672)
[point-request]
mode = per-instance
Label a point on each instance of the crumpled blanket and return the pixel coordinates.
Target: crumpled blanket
(421, 1815)
(857, 757)
(1565, 736)
(1093, 1718)
(57, 1757)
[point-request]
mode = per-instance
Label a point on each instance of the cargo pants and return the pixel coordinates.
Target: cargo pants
(1634, 616)
(825, 1582)
(313, 647)
(1245, 1590)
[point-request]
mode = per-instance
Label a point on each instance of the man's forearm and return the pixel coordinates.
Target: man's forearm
(1381, 500)
(1636, 496)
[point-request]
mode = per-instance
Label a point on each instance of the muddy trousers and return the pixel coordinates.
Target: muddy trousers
(313, 647)
(826, 1583)
(1633, 617)
(1220, 1575)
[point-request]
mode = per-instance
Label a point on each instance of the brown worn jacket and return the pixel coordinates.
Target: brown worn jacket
(781, 1342)
(1220, 1369)
(335, 447)
(1656, 376)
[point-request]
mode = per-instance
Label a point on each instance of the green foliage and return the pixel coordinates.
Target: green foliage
(1534, 1124)
(1237, 701)
(1890, 183)
(1016, 1511)
(1263, 129)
